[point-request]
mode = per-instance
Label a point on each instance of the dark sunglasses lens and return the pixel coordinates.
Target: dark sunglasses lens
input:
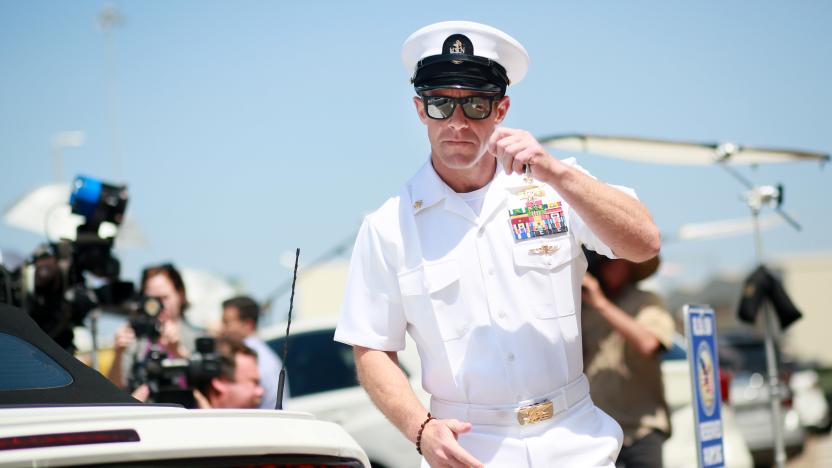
(439, 107)
(477, 107)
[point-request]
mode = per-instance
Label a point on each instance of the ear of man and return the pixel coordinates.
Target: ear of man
(420, 109)
(218, 386)
(502, 108)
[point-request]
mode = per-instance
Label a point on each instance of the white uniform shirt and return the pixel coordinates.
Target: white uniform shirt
(494, 322)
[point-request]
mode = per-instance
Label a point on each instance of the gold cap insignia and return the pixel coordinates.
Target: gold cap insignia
(457, 44)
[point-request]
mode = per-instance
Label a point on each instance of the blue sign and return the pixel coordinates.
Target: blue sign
(700, 329)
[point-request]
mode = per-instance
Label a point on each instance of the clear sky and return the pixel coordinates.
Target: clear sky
(248, 128)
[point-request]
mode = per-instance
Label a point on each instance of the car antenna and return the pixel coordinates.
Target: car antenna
(281, 382)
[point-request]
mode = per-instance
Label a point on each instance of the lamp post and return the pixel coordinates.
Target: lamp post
(109, 18)
(65, 139)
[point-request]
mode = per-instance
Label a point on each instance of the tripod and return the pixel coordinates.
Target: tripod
(756, 198)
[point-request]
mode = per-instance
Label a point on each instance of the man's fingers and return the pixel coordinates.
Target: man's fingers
(201, 401)
(524, 158)
(465, 459)
(501, 132)
(500, 139)
(509, 145)
(452, 454)
(446, 462)
(505, 151)
(141, 393)
(527, 155)
(517, 166)
(446, 450)
(458, 427)
(513, 148)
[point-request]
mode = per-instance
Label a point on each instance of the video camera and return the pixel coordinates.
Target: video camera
(173, 380)
(52, 285)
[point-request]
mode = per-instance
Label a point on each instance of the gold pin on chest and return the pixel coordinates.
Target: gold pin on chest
(417, 204)
(532, 190)
(531, 194)
(544, 250)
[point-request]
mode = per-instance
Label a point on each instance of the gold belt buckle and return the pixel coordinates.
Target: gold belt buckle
(535, 413)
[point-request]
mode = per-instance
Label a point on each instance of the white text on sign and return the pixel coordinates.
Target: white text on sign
(702, 325)
(710, 430)
(712, 455)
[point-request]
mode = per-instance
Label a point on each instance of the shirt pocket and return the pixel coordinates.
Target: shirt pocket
(546, 268)
(433, 302)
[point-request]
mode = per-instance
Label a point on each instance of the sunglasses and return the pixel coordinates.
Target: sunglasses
(442, 107)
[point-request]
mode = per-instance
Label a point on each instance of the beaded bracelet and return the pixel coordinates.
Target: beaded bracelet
(419, 435)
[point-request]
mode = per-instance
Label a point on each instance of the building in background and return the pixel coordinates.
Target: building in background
(808, 278)
(321, 289)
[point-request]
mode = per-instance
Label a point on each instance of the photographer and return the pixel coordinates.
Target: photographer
(173, 334)
(239, 318)
(238, 385)
(625, 330)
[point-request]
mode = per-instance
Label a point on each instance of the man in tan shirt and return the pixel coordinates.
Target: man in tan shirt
(625, 330)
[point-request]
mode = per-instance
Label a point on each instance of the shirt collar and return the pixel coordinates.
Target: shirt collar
(428, 189)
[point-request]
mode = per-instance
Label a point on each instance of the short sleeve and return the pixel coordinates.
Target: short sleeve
(657, 320)
(371, 313)
(583, 234)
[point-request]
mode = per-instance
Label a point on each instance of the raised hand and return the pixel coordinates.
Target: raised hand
(517, 148)
(123, 338)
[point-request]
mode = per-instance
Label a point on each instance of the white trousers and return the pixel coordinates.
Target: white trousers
(582, 436)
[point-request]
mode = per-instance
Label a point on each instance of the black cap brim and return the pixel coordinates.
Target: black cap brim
(463, 72)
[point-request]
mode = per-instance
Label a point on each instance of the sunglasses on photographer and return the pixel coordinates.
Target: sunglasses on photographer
(442, 107)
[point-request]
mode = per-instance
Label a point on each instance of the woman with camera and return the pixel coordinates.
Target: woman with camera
(170, 333)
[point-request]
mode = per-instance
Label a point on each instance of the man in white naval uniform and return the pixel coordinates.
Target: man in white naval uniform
(479, 259)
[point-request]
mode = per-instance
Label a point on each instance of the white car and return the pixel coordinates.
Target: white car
(744, 355)
(160, 436)
(749, 399)
(322, 382)
(809, 400)
(55, 411)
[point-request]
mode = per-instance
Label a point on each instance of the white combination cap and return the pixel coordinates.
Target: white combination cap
(464, 55)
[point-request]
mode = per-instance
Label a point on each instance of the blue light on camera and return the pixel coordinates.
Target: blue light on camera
(86, 194)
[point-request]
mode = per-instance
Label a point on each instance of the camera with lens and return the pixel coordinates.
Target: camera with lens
(144, 317)
(63, 281)
(173, 380)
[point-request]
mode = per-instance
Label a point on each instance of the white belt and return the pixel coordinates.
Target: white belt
(540, 409)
